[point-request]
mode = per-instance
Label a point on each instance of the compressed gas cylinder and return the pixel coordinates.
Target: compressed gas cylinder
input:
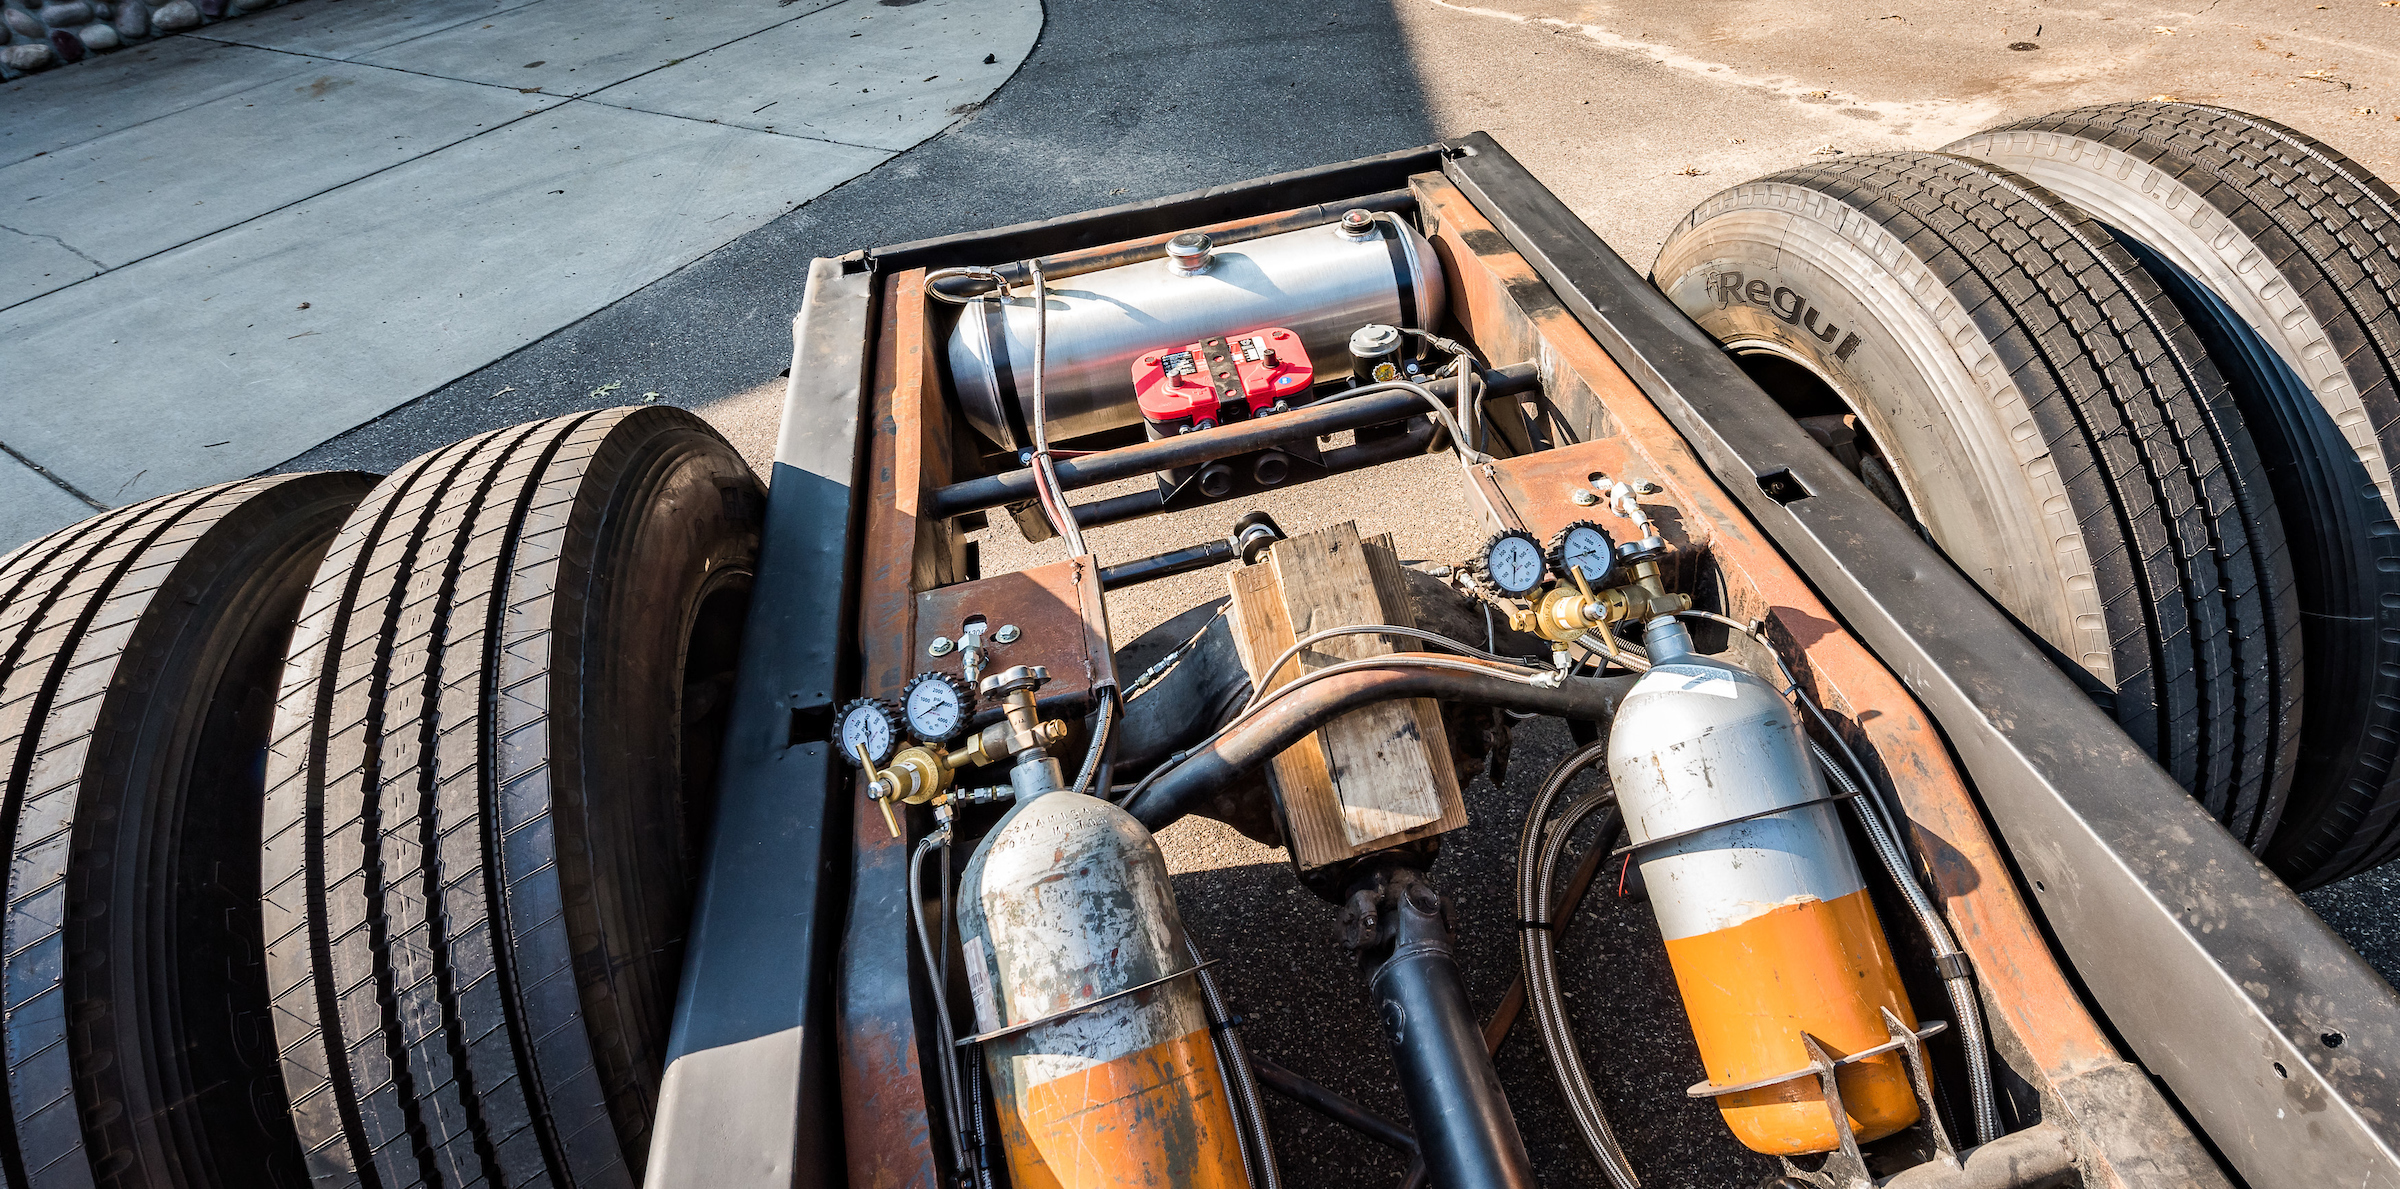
(1067, 903)
(1766, 920)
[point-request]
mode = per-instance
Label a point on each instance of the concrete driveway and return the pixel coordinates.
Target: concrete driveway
(219, 249)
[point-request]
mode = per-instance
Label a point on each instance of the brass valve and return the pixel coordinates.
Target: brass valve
(1565, 615)
(922, 773)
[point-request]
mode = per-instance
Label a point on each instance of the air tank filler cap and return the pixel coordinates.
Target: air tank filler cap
(1190, 254)
(1357, 223)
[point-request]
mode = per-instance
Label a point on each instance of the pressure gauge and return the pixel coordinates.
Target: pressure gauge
(936, 705)
(1584, 548)
(1512, 563)
(872, 724)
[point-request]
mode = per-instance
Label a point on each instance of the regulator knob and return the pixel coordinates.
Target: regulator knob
(1512, 563)
(1010, 680)
(868, 732)
(937, 706)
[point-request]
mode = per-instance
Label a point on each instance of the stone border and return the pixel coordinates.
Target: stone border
(41, 34)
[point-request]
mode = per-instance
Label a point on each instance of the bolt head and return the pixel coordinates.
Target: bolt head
(941, 646)
(1007, 634)
(1644, 487)
(1584, 497)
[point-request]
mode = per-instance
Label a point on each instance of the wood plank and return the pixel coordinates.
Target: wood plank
(1374, 777)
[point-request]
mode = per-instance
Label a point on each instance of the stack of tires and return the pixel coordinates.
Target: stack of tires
(354, 824)
(2133, 369)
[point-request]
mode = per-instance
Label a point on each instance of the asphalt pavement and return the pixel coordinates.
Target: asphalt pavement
(1632, 113)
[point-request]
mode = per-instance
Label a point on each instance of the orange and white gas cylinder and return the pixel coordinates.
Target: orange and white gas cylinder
(1766, 920)
(1067, 903)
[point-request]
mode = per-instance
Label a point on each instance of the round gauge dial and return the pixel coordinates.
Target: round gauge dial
(936, 706)
(1584, 548)
(871, 724)
(1512, 562)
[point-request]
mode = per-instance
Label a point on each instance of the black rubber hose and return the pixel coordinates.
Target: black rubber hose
(1289, 719)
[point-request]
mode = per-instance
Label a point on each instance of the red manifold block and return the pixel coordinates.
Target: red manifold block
(1217, 380)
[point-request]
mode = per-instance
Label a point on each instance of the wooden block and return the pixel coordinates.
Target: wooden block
(1374, 777)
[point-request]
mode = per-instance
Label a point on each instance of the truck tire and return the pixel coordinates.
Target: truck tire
(2282, 254)
(139, 652)
(487, 797)
(2055, 426)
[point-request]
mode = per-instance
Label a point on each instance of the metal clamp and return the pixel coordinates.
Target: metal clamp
(1079, 1008)
(1931, 1029)
(1680, 835)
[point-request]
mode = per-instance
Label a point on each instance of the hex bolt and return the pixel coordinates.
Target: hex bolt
(1007, 634)
(941, 646)
(1644, 487)
(1584, 497)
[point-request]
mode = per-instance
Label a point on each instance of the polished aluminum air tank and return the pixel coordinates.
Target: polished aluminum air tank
(1067, 903)
(1321, 282)
(1767, 921)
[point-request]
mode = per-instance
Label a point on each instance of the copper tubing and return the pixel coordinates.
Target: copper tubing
(1292, 717)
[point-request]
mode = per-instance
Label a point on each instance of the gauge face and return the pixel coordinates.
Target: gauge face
(1514, 563)
(868, 726)
(1586, 550)
(935, 709)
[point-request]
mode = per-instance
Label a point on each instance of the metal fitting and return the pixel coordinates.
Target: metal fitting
(1357, 223)
(1583, 497)
(941, 646)
(1190, 254)
(1007, 634)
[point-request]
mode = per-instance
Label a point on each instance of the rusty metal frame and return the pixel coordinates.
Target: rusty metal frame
(798, 1047)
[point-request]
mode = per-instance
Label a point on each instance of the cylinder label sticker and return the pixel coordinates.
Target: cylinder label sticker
(979, 985)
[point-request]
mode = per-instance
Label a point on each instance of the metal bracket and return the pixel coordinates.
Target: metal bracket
(1846, 1167)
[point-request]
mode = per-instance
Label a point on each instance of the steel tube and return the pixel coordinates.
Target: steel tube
(1166, 565)
(1329, 416)
(1287, 720)
(1333, 1106)
(1464, 1130)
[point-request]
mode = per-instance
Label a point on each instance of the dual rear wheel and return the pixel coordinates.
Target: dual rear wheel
(2133, 369)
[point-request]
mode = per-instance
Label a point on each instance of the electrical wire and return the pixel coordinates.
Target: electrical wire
(1258, 683)
(940, 837)
(1539, 846)
(1876, 815)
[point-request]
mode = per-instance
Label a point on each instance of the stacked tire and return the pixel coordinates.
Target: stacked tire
(2134, 367)
(354, 825)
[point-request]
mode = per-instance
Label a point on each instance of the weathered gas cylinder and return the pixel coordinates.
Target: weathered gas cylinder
(1067, 904)
(1767, 921)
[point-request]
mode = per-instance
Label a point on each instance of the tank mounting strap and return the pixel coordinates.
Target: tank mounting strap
(1931, 1029)
(1680, 835)
(1079, 1008)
